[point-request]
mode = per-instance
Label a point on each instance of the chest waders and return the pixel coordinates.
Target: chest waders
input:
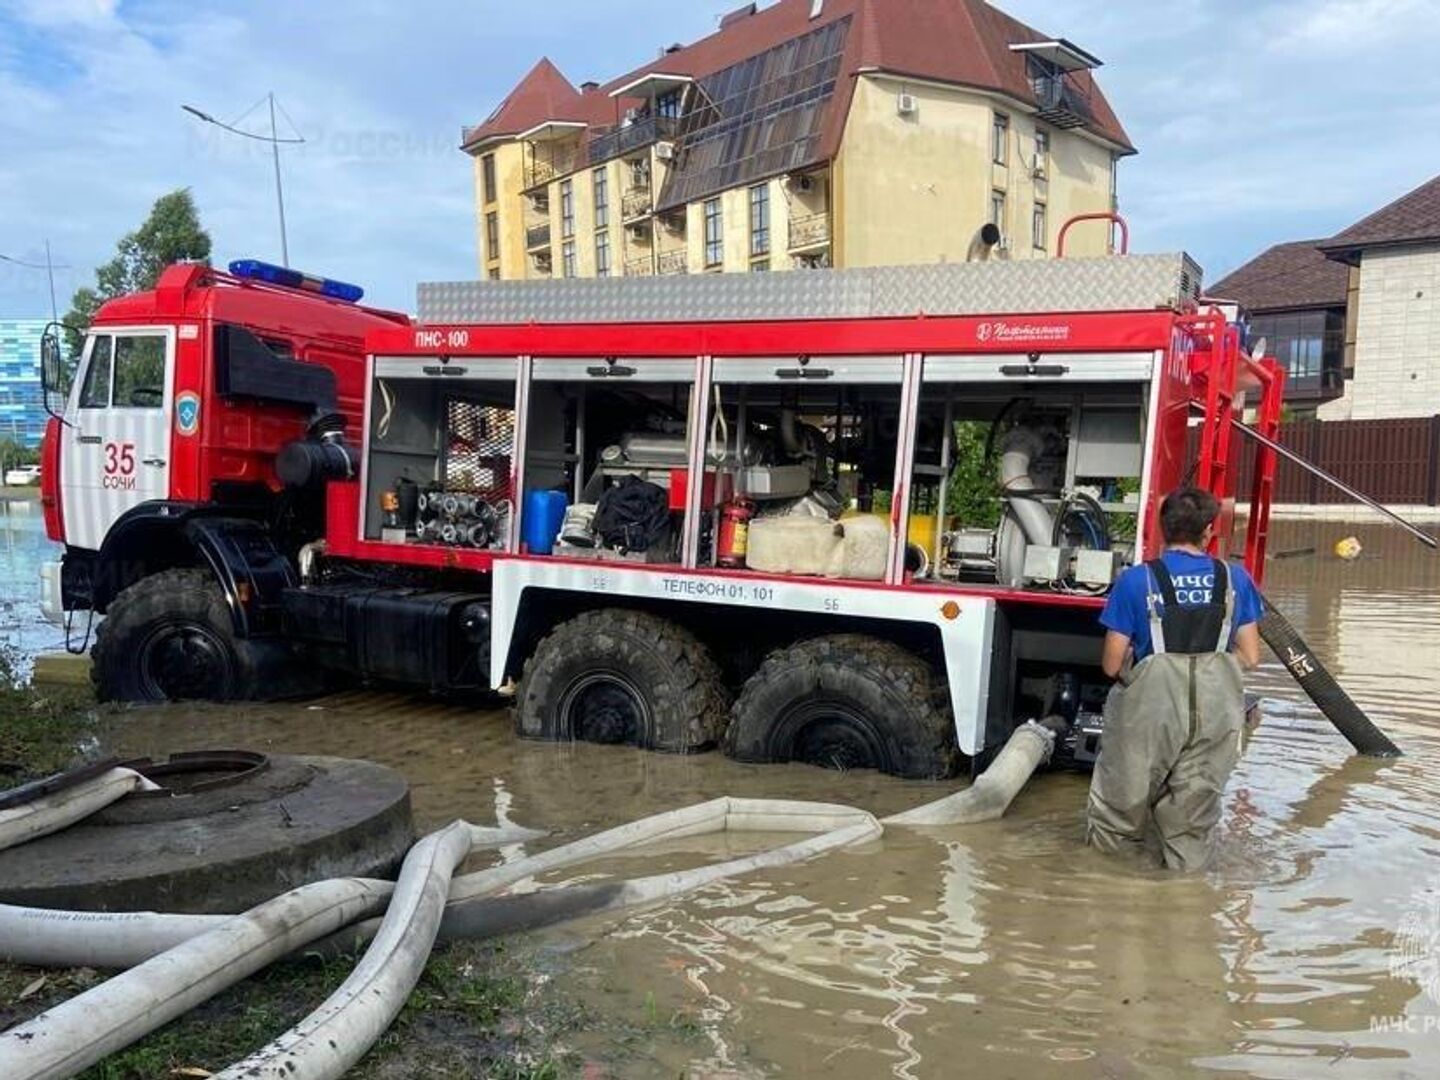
(1172, 730)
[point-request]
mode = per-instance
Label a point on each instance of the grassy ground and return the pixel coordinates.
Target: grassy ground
(481, 1010)
(41, 731)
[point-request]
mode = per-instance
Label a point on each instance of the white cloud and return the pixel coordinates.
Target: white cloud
(1345, 26)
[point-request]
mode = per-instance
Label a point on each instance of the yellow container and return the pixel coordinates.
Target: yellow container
(922, 527)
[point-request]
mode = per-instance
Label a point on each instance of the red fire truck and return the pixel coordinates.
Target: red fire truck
(858, 518)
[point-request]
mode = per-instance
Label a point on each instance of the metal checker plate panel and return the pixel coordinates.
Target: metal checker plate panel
(1117, 283)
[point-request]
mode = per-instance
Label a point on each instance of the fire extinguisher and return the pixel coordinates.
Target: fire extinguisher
(734, 540)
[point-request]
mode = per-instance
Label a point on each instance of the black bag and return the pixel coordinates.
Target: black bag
(634, 515)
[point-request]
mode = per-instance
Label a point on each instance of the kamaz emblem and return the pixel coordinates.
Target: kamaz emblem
(187, 413)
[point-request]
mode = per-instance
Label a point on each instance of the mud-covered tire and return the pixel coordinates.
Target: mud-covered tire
(170, 637)
(846, 702)
(628, 677)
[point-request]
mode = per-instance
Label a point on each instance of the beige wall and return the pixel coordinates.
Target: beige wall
(509, 178)
(916, 188)
(1397, 338)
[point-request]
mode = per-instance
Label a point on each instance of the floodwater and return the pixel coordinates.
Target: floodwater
(1007, 949)
(23, 547)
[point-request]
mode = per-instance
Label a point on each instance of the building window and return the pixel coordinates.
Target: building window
(602, 254)
(760, 266)
(668, 105)
(1039, 229)
(487, 168)
(602, 199)
(760, 220)
(1310, 344)
(492, 236)
(494, 273)
(714, 233)
(1042, 150)
(567, 255)
(997, 210)
(1000, 139)
(567, 208)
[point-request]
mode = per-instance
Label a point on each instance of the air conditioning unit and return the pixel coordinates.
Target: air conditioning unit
(638, 232)
(665, 151)
(1037, 165)
(907, 104)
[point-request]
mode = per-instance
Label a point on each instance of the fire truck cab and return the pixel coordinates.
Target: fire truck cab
(159, 458)
(859, 518)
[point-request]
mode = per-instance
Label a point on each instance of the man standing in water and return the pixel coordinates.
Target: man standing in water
(1178, 630)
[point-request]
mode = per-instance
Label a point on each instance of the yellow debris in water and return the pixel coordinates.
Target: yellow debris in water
(1348, 549)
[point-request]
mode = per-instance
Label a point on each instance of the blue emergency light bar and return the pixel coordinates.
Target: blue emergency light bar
(255, 270)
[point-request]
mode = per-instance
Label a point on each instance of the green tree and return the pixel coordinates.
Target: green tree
(172, 233)
(974, 494)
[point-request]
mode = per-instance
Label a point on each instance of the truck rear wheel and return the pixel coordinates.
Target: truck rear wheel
(628, 677)
(846, 702)
(170, 637)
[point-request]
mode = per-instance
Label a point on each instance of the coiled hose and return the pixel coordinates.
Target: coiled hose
(1321, 687)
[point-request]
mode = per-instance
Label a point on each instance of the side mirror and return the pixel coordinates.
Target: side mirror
(55, 371)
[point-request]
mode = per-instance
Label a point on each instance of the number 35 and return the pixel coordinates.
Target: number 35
(119, 458)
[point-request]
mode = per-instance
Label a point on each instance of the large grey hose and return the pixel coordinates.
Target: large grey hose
(991, 793)
(1018, 449)
(1026, 519)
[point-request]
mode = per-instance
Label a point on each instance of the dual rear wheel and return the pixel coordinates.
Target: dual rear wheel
(843, 702)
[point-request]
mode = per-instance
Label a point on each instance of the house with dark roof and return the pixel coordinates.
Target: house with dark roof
(1296, 299)
(801, 134)
(1375, 287)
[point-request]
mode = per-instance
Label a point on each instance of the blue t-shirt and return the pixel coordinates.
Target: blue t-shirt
(1194, 575)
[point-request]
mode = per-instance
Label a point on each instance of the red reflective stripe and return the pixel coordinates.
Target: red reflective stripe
(50, 481)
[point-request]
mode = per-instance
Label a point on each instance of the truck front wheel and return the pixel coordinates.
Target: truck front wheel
(617, 676)
(169, 637)
(846, 702)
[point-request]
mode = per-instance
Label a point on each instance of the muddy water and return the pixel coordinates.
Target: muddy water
(1004, 950)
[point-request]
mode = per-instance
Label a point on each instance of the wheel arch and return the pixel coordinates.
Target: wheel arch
(163, 535)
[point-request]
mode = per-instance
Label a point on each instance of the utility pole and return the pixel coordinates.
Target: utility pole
(275, 143)
(279, 192)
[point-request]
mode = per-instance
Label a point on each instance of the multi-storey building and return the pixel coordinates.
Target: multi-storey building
(810, 133)
(22, 413)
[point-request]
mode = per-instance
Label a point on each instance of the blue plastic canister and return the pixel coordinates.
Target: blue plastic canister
(544, 515)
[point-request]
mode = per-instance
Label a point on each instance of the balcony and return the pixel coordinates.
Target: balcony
(1061, 102)
(537, 237)
(643, 266)
(541, 171)
(635, 203)
(673, 262)
(811, 231)
(631, 137)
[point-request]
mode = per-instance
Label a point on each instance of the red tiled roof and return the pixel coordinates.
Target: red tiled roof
(1411, 219)
(954, 41)
(1286, 276)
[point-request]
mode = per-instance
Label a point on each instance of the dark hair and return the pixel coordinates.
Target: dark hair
(1185, 513)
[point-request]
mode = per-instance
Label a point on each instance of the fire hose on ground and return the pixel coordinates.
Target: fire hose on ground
(175, 962)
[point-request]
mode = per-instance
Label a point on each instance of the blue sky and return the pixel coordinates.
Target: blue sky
(1256, 121)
